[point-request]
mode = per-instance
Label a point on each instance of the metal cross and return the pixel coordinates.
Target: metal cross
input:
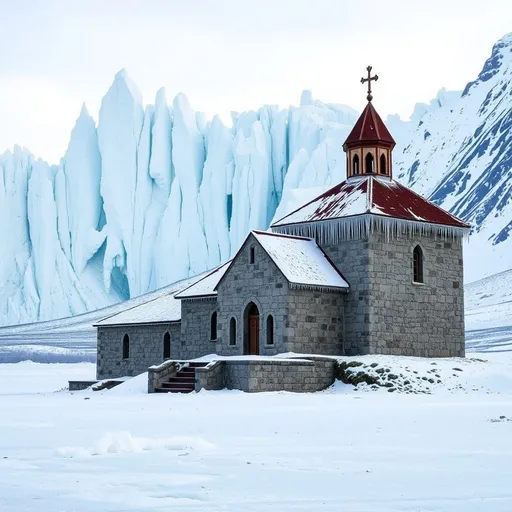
(369, 96)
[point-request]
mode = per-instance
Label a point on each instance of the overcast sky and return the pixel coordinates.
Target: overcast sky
(231, 55)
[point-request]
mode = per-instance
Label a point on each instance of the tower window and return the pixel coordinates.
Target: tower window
(213, 326)
(270, 330)
(232, 331)
(167, 345)
(417, 265)
(355, 165)
(126, 346)
(369, 164)
(383, 169)
(251, 255)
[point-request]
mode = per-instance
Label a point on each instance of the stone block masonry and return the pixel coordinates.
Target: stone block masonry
(261, 375)
(304, 320)
(196, 316)
(386, 312)
(146, 348)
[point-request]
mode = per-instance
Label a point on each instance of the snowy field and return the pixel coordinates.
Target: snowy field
(338, 450)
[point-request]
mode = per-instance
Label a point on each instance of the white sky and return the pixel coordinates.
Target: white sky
(231, 55)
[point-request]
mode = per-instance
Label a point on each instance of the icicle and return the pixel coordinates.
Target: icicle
(315, 288)
(359, 226)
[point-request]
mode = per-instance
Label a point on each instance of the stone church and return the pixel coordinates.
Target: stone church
(368, 267)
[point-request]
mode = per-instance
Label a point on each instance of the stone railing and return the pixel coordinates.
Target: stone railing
(161, 373)
(211, 376)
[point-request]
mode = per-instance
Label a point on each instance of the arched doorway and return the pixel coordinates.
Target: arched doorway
(251, 329)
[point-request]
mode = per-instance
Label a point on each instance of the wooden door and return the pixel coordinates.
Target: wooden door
(254, 335)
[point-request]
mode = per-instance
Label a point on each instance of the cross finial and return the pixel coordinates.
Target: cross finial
(369, 96)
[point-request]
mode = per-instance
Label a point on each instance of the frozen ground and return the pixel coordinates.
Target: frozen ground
(338, 450)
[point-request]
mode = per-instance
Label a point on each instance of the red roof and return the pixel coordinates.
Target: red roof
(371, 195)
(369, 128)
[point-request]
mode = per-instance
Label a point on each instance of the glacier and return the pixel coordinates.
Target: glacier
(155, 193)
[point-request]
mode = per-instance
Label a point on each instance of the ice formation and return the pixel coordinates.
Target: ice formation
(157, 193)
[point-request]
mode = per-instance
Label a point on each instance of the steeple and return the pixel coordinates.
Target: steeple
(369, 144)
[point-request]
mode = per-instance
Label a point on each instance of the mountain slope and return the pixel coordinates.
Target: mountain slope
(458, 152)
(155, 194)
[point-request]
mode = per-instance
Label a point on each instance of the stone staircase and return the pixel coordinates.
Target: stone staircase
(183, 381)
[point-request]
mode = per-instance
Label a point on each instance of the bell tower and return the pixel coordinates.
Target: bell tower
(369, 144)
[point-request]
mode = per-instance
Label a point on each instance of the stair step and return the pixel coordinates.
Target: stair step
(182, 378)
(173, 381)
(179, 389)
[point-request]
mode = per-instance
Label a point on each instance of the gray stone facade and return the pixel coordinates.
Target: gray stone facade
(195, 337)
(146, 348)
(386, 312)
(305, 321)
(267, 375)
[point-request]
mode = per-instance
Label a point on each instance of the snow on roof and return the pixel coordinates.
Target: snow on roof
(205, 287)
(301, 260)
(371, 194)
(165, 308)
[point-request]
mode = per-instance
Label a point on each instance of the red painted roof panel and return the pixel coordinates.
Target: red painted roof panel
(369, 128)
(371, 194)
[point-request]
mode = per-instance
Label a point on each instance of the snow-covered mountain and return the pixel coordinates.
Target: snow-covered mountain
(458, 152)
(157, 193)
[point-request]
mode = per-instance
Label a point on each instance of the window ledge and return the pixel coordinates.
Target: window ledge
(418, 284)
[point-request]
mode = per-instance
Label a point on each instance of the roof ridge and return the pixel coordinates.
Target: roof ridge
(216, 269)
(281, 235)
(325, 194)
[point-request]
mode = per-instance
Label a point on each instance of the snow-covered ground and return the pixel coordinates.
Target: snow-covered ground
(124, 450)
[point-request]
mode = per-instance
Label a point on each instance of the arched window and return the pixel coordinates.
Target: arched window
(369, 163)
(167, 345)
(126, 346)
(355, 165)
(270, 330)
(383, 169)
(232, 331)
(213, 326)
(251, 255)
(417, 265)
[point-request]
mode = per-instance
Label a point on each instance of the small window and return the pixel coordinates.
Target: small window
(126, 346)
(251, 255)
(167, 345)
(270, 330)
(369, 164)
(355, 165)
(383, 169)
(213, 326)
(232, 331)
(417, 264)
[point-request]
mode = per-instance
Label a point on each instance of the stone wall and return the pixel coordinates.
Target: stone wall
(161, 373)
(315, 322)
(196, 317)
(273, 375)
(146, 348)
(351, 258)
(386, 312)
(212, 376)
(418, 319)
(305, 321)
(262, 283)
